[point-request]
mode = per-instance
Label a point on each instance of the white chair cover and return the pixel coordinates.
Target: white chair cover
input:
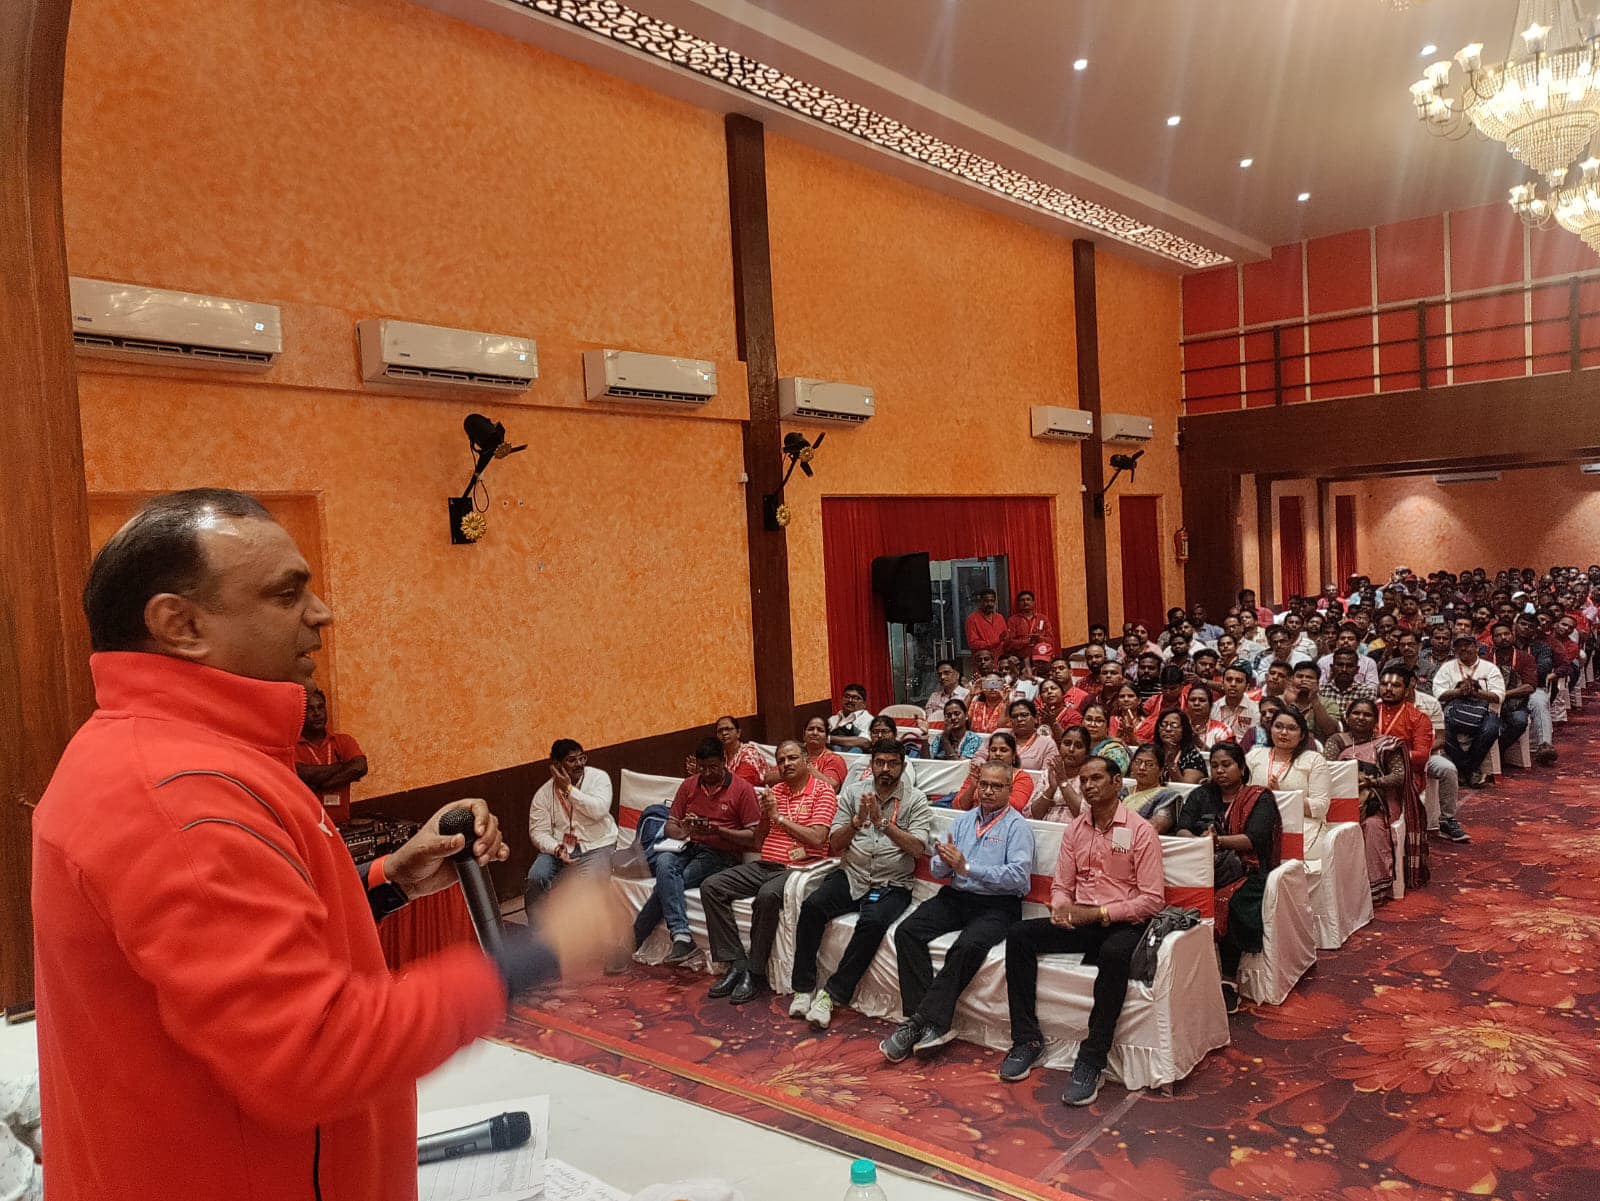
(1341, 895)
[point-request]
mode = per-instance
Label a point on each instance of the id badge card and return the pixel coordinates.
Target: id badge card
(1121, 838)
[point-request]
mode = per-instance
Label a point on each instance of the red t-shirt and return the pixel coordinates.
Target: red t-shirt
(733, 806)
(330, 749)
(814, 805)
(985, 631)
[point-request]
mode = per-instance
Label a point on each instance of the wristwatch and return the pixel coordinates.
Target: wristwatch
(1105, 916)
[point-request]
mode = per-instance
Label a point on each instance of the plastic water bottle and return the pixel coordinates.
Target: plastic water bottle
(864, 1182)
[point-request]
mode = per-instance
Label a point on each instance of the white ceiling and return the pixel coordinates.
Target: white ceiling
(1314, 91)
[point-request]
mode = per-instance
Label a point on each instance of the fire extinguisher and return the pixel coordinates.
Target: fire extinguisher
(1180, 544)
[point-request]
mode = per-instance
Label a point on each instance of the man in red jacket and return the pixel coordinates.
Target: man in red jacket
(215, 1018)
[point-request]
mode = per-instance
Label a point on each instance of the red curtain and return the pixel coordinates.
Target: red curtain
(1291, 547)
(859, 529)
(1141, 560)
(1344, 538)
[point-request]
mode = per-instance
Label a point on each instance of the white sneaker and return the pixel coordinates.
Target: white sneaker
(801, 1003)
(821, 1011)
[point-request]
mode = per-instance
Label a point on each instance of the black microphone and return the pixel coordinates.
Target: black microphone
(500, 1133)
(476, 886)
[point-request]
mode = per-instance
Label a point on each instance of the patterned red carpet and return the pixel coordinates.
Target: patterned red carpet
(1449, 1050)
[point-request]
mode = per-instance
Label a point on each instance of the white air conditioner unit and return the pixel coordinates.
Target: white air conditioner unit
(803, 399)
(1053, 421)
(1126, 427)
(1590, 469)
(405, 356)
(628, 375)
(1466, 477)
(153, 325)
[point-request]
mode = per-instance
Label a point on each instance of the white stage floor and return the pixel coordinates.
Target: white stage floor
(666, 1139)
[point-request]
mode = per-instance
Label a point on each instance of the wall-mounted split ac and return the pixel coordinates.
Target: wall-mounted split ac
(1126, 427)
(184, 329)
(1466, 477)
(627, 375)
(803, 399)
(1053, 421)
(406, 356)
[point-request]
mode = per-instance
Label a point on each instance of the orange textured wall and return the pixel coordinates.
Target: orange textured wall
(385, 161)
(1139, 373)
(1532, 518)
(959, 320)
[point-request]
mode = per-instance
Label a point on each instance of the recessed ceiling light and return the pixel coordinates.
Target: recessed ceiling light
(1303, 197)
(1174, 119)
(1430, 48)
(1246, 163)
(1080, 64)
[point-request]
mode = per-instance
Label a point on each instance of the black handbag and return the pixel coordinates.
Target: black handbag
(1142, 966)
(1467, 714)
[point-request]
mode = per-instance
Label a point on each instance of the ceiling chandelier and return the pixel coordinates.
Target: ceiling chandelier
(1542, 103)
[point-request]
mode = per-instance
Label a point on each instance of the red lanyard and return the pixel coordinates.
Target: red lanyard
(985, 827)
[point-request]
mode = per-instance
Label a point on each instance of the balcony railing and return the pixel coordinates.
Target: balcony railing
(1496, 333)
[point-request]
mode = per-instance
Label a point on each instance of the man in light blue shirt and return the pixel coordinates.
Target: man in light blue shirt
(988, 859)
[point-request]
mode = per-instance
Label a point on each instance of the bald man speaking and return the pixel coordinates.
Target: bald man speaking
(216, 1019)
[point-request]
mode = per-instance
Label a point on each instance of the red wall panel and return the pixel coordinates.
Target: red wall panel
(1211, 300)
(1485, 248)
(1554, 251)
(1482, 351)
(1211, 376)
(1272, 289)
(1341, 358)
(1339, 272)
(1410, 259)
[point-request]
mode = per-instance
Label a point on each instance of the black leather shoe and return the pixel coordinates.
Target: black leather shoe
(725, 985)
(750, 987)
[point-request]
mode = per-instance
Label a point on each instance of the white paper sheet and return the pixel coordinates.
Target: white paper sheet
(563, 1182)
(515, 1175)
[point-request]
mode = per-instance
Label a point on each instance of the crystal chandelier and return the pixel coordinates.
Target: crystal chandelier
(1542, 102)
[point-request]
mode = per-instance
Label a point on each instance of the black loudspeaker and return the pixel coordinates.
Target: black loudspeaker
(906, 587)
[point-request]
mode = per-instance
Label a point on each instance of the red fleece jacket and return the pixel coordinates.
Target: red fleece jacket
(216, 1020)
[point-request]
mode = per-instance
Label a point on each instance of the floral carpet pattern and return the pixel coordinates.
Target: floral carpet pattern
(1450, 1050)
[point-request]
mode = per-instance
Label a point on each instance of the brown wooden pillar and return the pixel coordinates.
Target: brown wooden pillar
(1324, 540)
(1264, 555)
(44, 525)
(1085, 309)
(1215, 568)
(763, 433)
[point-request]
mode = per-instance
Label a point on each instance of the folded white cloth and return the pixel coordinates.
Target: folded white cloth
(21, 1179)
(670, 846)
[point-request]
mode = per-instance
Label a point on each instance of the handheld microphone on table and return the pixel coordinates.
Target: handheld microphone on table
(500, 1133)
(476, 886)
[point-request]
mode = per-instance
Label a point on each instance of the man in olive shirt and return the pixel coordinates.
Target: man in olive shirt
(881, 827)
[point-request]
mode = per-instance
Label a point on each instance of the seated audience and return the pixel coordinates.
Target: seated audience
(1291, 762)
(986, 711)
(1521, 675)
(880, 830)
(1279, 650)
(825, 763)
(796, 817)
(1108, 884)
(950, 689)
(716, 813)
(1469, 689)
(988, 860)
(1400, 717)
(1304, 696)
(1151, 798)
(1525, 630)
(1027, 629)
(1197, 706)
(1148, 681)
(327, 763)
(1001, 748)
(909, 737)
(1127, 709)
(1050, 703)
(1202, 624)
(1343, 684)
(1182, 759)
(956, 740)
(1349, 638)
(1436, 653)
(1207, 666)
(985, 627)
(1036, 747)
(1384, 766)
(743, 758)
(1242, 821)
(848, 728)
(1269, 708)
(569, 821)
(1059, 800)
(1234, 710)
(1097, 720)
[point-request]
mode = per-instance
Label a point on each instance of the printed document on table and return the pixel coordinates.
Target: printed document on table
(515, 1175)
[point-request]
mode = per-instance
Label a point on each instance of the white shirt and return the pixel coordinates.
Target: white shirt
(941, 698)
(1237, 720)
(590, 823)
(1310, 775)
(1452, 671)
(1366, 670)
(850, 725)
(1431, 709)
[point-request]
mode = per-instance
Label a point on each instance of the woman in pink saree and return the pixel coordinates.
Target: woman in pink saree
(1386, 788)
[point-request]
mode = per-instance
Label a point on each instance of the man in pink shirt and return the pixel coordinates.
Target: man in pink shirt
(1108, 884)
